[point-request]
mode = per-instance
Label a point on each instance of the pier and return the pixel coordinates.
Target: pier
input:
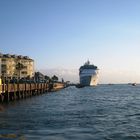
(16, 91)
(18, 80)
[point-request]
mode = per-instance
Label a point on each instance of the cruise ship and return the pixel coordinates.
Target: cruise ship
(88, 74)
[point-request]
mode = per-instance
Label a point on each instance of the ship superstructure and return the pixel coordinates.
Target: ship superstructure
(88, 74)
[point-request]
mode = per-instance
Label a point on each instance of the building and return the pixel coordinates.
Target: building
(0, 71)
(16, 66)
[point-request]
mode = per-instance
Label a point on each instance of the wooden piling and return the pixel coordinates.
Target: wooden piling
(17, 91)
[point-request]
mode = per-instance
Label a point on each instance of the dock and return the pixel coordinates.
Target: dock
(16, 91)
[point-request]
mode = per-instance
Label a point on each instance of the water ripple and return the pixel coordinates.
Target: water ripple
(101, 113)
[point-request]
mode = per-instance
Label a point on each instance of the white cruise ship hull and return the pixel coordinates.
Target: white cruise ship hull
(89, 77)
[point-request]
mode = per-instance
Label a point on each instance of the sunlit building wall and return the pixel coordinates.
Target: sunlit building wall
(0, 70)
(10, 66)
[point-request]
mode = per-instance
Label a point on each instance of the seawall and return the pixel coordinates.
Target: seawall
(16, 91)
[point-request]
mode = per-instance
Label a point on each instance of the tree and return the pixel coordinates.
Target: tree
(19, 67)
(54, 78)
(47, 77)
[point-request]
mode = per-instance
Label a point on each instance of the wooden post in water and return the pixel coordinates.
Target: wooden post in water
(1, 93)
(6, 95)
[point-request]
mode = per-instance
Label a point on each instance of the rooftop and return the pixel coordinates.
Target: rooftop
(14, 56)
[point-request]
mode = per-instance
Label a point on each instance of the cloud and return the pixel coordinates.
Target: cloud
(71, 75)
(119, 76)
(105, 75)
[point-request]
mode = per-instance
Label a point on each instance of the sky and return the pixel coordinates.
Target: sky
(60, 35)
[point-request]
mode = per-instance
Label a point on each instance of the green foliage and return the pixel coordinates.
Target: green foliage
(54, 78)
(47, 77)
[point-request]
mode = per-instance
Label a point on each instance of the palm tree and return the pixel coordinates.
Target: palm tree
(54, 78)
(47, 78)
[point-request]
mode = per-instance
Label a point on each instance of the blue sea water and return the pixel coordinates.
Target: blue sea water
(105, 112)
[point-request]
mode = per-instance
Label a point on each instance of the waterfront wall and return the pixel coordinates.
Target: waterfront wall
(16, 91)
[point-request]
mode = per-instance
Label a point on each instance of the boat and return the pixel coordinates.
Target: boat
(79, 86)
(134, 84)
(88, 74)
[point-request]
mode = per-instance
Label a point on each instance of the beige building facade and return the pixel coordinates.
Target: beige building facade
(16, 66)
(0, 73)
